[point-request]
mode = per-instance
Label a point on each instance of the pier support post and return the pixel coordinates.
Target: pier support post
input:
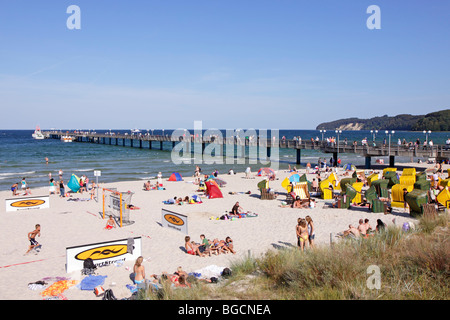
(123, 142)
(161, 145)
(117, 141)
(268, 152)
(335, 158)
(140, 143)
(150, 144)
(299, 155)
(368, 162)
(173, 144)
(131, 141)
(391, 161)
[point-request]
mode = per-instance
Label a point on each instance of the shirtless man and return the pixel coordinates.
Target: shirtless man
(14, 188)
(362, 228)
(351, 230)
(191, 247)
(368, 226)
(31, 237)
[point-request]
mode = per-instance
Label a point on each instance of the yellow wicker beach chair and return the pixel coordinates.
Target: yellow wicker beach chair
(445, 183)
(372, 177)
(397, 199)
(389, 169)
(301, 190)
(443, 198)
(358, 187)
(408, 176)
(324, 187)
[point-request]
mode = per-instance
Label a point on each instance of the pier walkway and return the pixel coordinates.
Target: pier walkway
(437, 152)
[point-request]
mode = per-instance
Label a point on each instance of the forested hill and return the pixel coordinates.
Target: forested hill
(435, 121)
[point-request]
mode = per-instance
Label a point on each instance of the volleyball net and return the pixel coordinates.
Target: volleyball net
(117, 204)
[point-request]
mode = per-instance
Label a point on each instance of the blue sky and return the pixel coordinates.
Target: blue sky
(263, 64)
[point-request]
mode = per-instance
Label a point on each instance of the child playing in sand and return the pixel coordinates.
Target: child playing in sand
(31, 237)
(110, 223)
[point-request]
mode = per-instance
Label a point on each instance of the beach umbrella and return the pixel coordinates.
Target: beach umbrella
(74, 183)
(294, 178)
(268, 172)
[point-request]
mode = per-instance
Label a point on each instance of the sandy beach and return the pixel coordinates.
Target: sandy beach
(72, 223)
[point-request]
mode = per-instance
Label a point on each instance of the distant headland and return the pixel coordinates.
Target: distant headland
(435, 121)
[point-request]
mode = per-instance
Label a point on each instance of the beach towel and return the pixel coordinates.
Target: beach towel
(208, 272)
(92, 281)
(58, 287)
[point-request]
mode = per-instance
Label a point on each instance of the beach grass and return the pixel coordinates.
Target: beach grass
(413, 265)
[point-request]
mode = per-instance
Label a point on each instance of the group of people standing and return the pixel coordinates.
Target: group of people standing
(305, 232)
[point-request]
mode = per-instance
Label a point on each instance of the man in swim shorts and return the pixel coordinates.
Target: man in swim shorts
(14, 188)
(31, 237)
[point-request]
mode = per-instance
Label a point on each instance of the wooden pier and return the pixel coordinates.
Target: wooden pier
(437, 152)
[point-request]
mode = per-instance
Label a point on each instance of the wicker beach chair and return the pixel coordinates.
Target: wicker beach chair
(266, 195)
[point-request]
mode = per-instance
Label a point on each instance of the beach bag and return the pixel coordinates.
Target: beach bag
(109, 295)
(99, 291)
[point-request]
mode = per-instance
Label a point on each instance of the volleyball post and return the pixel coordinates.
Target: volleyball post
(117, 204)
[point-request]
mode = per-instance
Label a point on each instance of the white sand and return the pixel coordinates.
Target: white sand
(69, 223)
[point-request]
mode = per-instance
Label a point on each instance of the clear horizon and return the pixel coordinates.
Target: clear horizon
(265, 64)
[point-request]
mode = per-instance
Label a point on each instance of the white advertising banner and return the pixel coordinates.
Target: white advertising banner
(104, 253)
(26, 203)
(174, 221)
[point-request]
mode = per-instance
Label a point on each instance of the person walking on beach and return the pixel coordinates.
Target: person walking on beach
(52, 188)
(32, 238)
(24, 185)
(62, 191)
(159, 179)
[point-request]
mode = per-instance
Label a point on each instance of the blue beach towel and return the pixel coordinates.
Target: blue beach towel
(91, 281)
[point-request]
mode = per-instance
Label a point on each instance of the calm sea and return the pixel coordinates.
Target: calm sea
(22, 156)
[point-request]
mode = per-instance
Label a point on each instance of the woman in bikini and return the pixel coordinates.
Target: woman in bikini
(139, 271)
(302, 233)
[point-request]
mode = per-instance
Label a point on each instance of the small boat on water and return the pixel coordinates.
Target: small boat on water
(66, 139)
(37, 134)
(135, 130)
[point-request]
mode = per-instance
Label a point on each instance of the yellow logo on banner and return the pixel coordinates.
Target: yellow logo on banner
(104, 252)
(174, 219)
(27, 203)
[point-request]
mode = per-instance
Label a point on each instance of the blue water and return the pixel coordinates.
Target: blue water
(22, 156)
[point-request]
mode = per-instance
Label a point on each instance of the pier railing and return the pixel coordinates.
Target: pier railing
(368, 150)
